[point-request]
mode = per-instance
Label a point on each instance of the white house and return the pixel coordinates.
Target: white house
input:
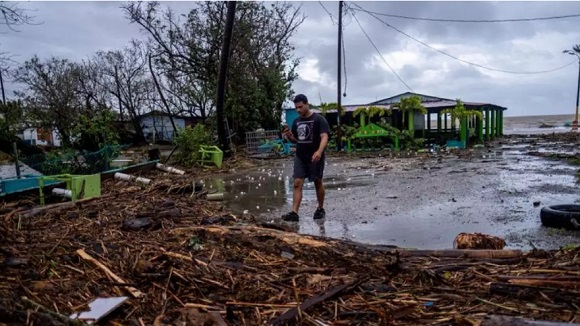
(37, 136)
(156, 125)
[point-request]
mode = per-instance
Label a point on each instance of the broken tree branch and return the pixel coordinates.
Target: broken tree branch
(133, 291)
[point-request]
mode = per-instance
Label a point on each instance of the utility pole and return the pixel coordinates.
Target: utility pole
(339, 78)
(221, 87)
(2, 86)
(118, 92)
(576, 52)
(577, 95)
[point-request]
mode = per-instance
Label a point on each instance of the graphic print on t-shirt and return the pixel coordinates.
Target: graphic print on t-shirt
(304, 130)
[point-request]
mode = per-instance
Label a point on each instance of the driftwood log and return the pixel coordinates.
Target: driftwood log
(515, 321)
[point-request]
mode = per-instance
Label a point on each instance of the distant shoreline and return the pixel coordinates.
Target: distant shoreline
(540, 116)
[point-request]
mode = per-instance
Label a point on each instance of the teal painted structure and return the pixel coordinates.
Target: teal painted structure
(26, 182)
(291, 115)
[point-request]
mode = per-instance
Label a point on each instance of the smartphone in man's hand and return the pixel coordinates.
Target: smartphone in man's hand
(286, 131)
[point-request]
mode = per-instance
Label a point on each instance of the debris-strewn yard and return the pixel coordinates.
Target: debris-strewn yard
(182, 260)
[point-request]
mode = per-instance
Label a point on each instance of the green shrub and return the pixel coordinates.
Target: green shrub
(93, 133)
(188, 142)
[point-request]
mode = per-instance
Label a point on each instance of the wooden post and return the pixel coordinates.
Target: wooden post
(463, 132)
(501, 122)
(479, 124)
(493, 123)
(486, 117)
(221, 82)
(339, 82)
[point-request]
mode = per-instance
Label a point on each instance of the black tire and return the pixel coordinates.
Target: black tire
(561, 216)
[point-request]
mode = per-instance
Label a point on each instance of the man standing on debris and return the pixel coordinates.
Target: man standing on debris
(310, 133)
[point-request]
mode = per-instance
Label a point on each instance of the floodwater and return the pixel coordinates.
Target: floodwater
(419, 202)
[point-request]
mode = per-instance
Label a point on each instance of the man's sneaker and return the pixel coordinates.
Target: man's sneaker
(319, 214)
(291, 217)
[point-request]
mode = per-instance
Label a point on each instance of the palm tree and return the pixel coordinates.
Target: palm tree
(576, 51)
(328, 107)
(461, 114)
(410, 105)
(369, 111)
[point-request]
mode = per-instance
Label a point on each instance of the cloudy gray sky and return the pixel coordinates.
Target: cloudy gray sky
(76, 30)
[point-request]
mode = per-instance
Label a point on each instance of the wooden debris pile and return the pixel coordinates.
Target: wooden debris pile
(195, 264)
(478, 241)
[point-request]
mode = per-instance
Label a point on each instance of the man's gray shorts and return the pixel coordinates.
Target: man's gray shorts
(312, 171)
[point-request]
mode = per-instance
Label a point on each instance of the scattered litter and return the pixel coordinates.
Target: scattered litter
(98, 309)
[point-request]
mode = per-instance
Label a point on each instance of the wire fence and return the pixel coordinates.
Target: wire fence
(255, 139)
(74, 162)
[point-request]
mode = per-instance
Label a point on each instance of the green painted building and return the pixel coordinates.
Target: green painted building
(433, 125)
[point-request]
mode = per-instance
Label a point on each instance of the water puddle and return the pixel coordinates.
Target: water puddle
(269, 189)
(403, 202)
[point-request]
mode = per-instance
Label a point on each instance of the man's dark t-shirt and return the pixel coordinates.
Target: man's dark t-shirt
(307, 133)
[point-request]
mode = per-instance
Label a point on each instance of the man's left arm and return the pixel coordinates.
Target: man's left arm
(323, 141)
(324, 134)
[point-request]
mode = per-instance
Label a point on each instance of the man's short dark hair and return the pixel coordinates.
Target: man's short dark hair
(301, 98)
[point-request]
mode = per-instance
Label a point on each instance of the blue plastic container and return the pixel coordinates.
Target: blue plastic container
(455, 144)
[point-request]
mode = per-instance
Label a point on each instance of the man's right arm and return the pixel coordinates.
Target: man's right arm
(290, 135)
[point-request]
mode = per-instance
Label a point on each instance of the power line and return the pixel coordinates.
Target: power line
(332, 16)
(342, 37)
(379, 52)
(328, 12)
(469, 20)
(465, 61)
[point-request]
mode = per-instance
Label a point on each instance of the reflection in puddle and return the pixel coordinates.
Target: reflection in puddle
(270, 190)
(258, 192)
(390, 201)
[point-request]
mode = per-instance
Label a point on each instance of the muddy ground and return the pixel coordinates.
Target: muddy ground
(422, 201)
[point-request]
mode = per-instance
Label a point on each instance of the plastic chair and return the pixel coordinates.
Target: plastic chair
(80, 186)
(210, 154)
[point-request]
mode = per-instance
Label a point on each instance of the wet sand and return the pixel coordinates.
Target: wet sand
(422, 202)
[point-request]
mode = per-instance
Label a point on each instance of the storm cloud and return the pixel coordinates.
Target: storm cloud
(76, 30)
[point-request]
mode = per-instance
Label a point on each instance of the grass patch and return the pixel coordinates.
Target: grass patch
(574, 161)
(5, 158)
(555, 231)
(570, 246)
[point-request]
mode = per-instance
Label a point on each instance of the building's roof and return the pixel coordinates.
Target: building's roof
(428, 101)
(397, 98)
(165, 114)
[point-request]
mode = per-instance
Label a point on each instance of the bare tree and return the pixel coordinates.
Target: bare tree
(13, 15)
(124, 74)
(187, 55)
(51, 94)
